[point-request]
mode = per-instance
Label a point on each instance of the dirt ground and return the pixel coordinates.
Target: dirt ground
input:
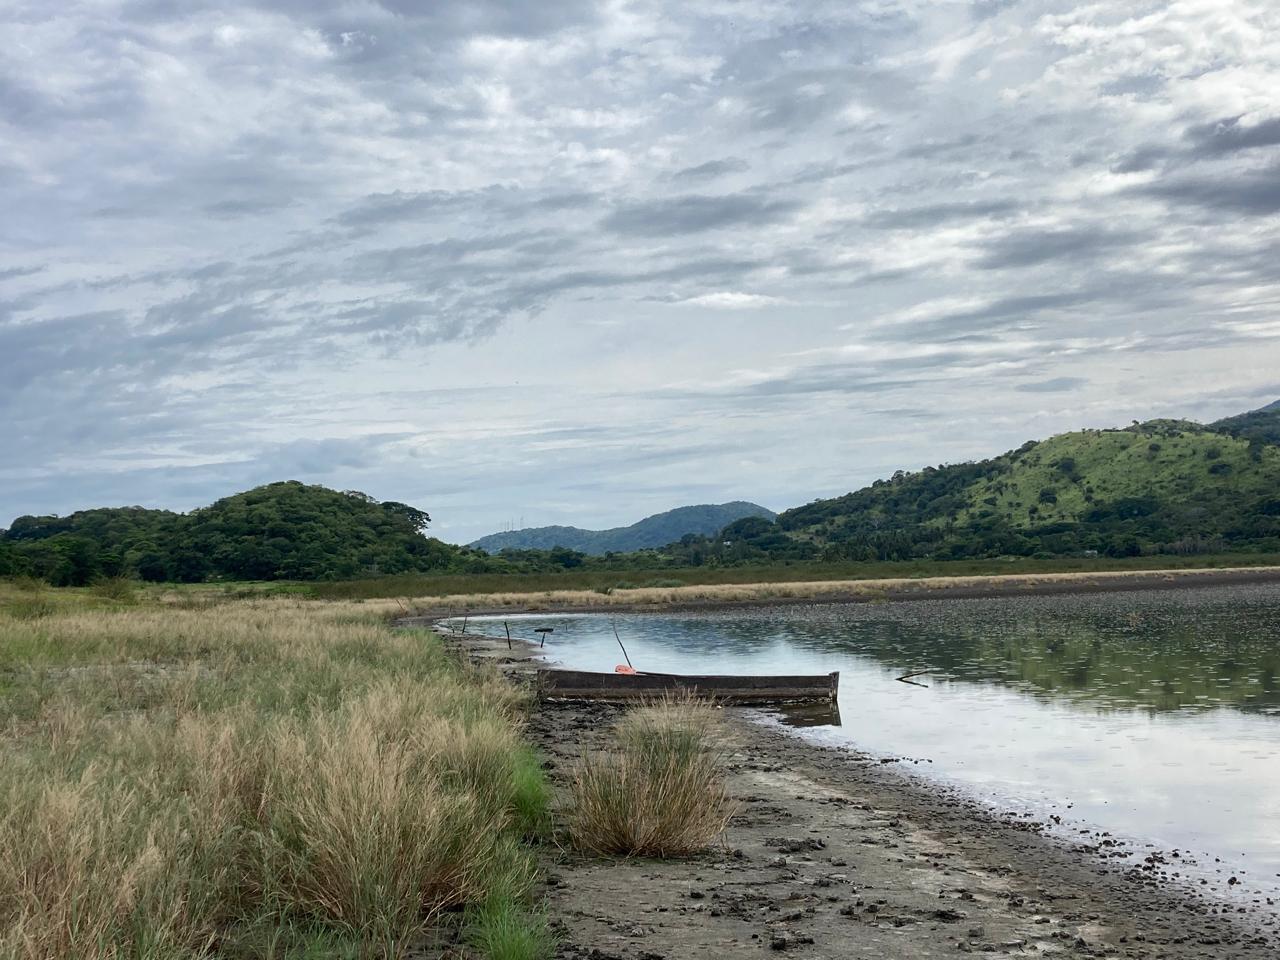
(834, 854)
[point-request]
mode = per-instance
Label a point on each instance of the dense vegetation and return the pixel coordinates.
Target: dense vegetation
(1257, 426)
(1163, 488)
(656, 531)
(279, 531)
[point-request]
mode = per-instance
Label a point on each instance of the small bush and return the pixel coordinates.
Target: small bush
(117, 589)
(660, 792)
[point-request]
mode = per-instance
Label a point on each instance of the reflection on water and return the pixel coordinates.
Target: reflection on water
(1154, 715)
(808, 714)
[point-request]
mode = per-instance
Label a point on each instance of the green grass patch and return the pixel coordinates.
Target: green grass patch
(506, 929)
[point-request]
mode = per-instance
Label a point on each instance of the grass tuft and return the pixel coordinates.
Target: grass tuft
(660, 792)
(505, 929)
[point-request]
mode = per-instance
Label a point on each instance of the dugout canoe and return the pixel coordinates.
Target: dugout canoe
(584, 685)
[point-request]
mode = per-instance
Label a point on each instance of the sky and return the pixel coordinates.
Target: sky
(525, 263)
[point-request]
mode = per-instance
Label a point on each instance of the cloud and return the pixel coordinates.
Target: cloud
(1027, 248)
(1053, 385)
(915, 218)
(1229, 135)
(450, 234)
(1254, 192)
(695, 213)
(732, 300)
(712, 169)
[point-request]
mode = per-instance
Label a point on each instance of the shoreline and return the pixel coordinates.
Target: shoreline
(835, 853)
(714, 598)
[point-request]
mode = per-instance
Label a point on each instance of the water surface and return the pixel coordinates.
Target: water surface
(1153, 715)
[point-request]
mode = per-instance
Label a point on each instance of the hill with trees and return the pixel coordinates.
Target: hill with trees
(286, 530)
(655, 531)
(1161, 487)
(1261, 425)
(1166, 486)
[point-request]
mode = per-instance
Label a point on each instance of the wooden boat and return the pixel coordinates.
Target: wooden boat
(584, 685)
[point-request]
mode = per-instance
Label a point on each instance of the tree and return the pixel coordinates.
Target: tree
(418, 519)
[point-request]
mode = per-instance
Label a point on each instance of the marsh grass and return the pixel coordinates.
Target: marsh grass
(659, 791)
(251, 777)
(503, 929)
(615, 584)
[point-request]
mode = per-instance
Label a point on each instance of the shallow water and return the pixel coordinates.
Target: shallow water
(1154, 715)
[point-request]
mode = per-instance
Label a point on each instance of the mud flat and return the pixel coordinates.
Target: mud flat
(836, 854)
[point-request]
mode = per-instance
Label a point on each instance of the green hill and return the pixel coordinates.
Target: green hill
(1159, 487)
(655, 531)
(285, 530)
(1260, 426)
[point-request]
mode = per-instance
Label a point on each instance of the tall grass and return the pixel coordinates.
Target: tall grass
(253, 778)
(659, 791)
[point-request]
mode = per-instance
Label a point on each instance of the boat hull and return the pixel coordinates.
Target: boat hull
(584, 685)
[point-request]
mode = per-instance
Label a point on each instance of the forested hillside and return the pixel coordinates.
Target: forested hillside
(1161, 487)
(1173, 487)
(1262, 426)
(655, 531)
(285, 530)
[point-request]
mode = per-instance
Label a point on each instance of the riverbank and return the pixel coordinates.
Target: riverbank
(427, 610)
(839, 854)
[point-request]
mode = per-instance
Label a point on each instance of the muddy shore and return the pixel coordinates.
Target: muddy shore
(836, 854)
(714, 597)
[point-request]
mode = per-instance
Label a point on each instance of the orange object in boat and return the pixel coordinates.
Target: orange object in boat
(623, 668)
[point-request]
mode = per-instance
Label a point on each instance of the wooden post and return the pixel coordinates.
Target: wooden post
(508, 629)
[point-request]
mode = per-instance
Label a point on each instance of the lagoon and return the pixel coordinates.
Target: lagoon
(1149, 715)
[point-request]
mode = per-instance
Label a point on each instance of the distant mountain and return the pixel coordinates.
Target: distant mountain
(655, 531)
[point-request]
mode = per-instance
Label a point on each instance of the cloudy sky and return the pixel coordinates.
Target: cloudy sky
(577, 262)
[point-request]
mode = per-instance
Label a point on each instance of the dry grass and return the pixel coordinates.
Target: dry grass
(660, 791)
(252, 778)
(870, 589)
